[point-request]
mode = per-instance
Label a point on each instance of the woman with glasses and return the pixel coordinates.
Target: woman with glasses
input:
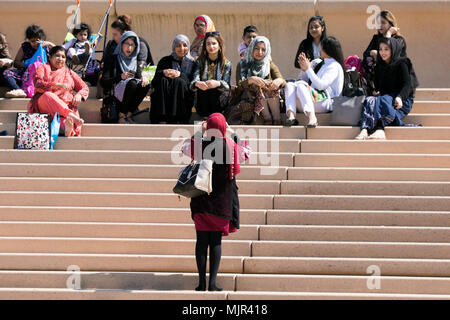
(172, 100)
(212, 76)
(202, 24)
(123, 73)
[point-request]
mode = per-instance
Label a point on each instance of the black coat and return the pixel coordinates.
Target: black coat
(373, 45)
(223, 201)
(112, 73)
(166, 63)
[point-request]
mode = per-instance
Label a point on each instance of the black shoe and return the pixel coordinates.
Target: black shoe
(291, 122)
(201, 288)
(214, 288)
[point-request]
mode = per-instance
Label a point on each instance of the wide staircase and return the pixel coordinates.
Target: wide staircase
(338, 219)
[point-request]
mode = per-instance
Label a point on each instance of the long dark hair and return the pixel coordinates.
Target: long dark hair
(221, 56)
(332, 47)
(309, 37)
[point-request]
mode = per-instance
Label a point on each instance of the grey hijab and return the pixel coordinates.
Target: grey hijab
(127, 64)
(250, 66)
(185, 64)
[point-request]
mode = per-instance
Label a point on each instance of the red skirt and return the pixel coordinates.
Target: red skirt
(206, 222)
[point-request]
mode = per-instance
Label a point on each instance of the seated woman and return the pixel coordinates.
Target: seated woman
(54, 86)
(123, 74)
(13, 77)
(5, 58)
(172, 100)
(317, 31)
(259, 78)
(212, 76)
(118, 28)
(202, 24)
(388, 28)
(325, 85)
(395, 82)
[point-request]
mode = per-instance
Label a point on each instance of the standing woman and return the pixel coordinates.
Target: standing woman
(212, 76)
(388, 28)
(172, 100)
(325, 85)
(202, 25)
(259, 78)
(217, 214)
(317, 31)
(123, 73)
(395, 85)
(54, 86)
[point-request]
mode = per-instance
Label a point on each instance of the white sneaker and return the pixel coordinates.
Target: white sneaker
(17, 93)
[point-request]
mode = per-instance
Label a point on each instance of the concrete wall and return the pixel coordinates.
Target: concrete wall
(424, 24)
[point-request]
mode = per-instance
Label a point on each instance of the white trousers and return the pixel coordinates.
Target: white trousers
(300, 90)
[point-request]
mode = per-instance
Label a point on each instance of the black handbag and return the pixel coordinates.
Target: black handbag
(195, 179)
(110, 109)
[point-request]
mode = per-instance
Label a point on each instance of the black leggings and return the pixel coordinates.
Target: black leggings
(213, 239)
(133, 96)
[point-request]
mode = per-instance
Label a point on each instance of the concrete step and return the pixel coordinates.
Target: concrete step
(292, 283)
(410, 188)
(371, 146)
(110, 214)
(129, 157)
(354, 233)
(392, 133)
(111, 262)
(186, 281)
(80, 170)
(347, 266)
(343, 173)
(324, 119)
(150, 144)
(364, 202)
(117, 199)
(94, 294)
(432, 94)
(358, 218)
(396, 250)
(116, 246)
(119, 185)
(381, 160)
(113, 230)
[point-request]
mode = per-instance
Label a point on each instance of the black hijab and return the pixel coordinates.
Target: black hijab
(396, 59)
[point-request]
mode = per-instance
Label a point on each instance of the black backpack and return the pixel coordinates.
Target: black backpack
(353, 86)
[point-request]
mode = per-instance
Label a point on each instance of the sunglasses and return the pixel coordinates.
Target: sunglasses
(215, 33)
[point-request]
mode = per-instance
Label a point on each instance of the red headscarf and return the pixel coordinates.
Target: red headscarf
(217, 122)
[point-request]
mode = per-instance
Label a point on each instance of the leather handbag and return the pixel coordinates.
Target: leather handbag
(347, 110)
(109, 111)
(195, 179)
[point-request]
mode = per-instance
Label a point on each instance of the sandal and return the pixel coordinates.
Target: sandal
(363, 135)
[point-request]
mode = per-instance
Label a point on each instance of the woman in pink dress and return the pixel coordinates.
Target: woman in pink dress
(217, 214)
(54, 92)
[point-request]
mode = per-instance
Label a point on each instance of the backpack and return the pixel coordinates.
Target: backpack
(27, 83)
(353, 86)
(354, 63)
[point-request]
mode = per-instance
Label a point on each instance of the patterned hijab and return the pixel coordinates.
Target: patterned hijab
(127, 64)
(250, 66)
(186, 63)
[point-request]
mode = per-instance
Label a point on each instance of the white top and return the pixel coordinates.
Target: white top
(329, 78)
(316, 50)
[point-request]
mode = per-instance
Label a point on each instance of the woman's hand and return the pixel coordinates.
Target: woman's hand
(275, 84)
(392, 31)
(256, 81)
(303, 61)
(398, 103)
(171, 73)
(76, 99)
(126, 75)
(144, 81)
(212, 84)
(48, 44)
(201, 85)
(373, 54)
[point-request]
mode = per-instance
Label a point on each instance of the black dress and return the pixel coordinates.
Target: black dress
(172, 100)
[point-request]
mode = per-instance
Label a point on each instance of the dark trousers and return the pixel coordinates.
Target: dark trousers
(208, 102)
(133, 96)
(213, 240)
